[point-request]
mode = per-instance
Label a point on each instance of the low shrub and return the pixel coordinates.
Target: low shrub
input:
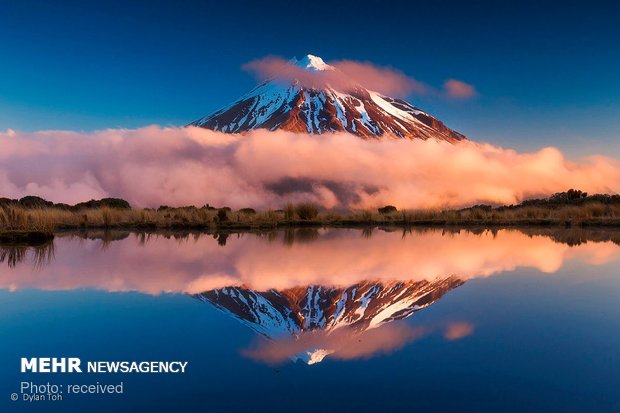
(222, 214)
(31, 201)
(307, 211)
(114, 203)
(388, 209)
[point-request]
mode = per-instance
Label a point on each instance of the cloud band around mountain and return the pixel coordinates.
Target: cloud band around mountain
(155, 166)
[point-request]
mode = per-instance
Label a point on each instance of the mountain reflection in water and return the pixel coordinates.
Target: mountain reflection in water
(324, 320)
(310, 292)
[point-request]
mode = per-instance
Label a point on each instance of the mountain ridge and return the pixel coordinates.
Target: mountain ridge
(291, 105)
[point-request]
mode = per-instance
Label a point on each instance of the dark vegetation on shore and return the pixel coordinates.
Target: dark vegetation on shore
(36, 218)
(25, 237)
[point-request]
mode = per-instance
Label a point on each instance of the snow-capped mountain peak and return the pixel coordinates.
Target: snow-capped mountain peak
(313, 104)
(312, 63)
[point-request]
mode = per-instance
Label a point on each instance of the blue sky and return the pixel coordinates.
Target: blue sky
(546, 72)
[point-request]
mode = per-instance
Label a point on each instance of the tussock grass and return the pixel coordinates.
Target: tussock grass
(50, 219)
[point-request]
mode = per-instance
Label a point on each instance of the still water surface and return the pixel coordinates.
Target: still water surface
(322, 320)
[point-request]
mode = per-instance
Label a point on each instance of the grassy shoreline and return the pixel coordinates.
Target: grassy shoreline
(34, 217)
(47, 221)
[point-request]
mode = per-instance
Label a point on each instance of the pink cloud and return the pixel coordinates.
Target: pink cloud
(272, 67)
(382, 79)
(457, 89)
(343, 343)
(456, 331)
(332, 259)
(348, 75)
(155, 166)
(418, 258)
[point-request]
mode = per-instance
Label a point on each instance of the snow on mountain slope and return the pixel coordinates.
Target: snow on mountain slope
(289, 105)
